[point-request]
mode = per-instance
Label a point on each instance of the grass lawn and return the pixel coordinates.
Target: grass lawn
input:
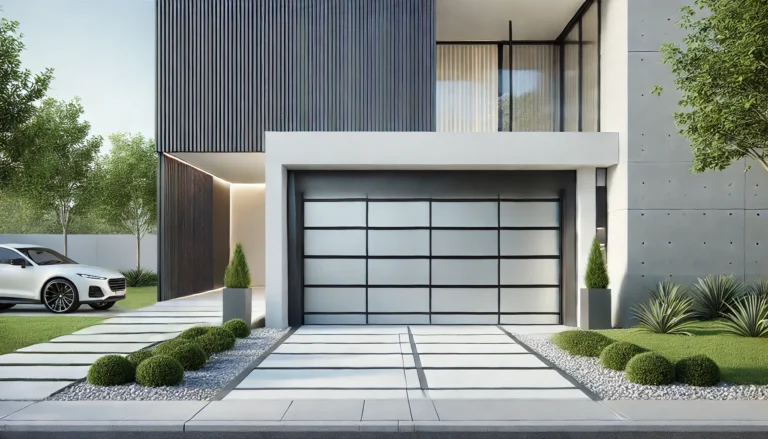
(18, 332)
(742, 360)
(138, 298)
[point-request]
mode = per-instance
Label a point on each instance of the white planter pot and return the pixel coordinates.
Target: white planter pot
(237, 304)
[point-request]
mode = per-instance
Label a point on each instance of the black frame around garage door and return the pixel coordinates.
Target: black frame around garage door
(440, 191)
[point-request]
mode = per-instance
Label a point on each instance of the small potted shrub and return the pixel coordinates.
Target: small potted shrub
(595, 299)
(237, 288)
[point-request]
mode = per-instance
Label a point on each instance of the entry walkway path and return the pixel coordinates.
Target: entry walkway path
(407, 363)
(37, 371)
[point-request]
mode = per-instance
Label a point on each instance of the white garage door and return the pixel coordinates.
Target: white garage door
(432, 261)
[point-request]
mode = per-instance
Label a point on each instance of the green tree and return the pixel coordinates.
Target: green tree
(128, 186)
(722, 71)
(237, 274)
(20, 90)
(597, 272)
(59, 178)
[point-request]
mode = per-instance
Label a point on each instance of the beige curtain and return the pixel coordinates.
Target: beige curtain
(467, 88)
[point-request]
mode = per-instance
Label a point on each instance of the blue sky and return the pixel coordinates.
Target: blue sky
(100, 50)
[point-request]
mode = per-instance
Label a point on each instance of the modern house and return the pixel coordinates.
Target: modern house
(434, 161)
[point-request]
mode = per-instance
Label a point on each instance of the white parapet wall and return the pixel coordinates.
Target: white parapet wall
(109, 251)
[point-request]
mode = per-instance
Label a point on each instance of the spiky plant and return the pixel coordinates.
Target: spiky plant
(597, 272)
(237, 274)
(748, 317)
(758, 288)
(670, 317)
(714, 295)
(667, 291)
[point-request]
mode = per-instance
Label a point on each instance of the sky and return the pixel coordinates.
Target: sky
(102, 51)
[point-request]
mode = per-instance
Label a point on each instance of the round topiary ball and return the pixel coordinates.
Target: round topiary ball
(583, 343)
(166, 347)
(194, 332)
(137, 357)
(698, 370)
(111, 370)
(238, 327)
(616, 355)
(650, 369)
(217, 340)
(159, 371)
(190, 355)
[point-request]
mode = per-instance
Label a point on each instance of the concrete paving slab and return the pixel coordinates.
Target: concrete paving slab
(387, 410)
(422, 409)
(9, 407)
(372, 338)
(408, 361)
(332, 360)
(42, 373)
(114, 338)
(165, 320)
(535, 329)
(30, 390)
(695, 410)
(233, 410)
(49, 359)
(324, 378)
(521, 410)
(295, 394)
(325, 410)
(133, 329)
(332, 427)
(470, 348)
(498, 394)
(494, 378)
(455, 330)
(109, 411)
(412, 379)
(350, 330)
(453, 339)
(144, 312)
(498, 361)
(96, 348)
(77, 427)
(406, 348)
(338, 348)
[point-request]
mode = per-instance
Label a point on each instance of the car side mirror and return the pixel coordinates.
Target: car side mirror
(19, 262)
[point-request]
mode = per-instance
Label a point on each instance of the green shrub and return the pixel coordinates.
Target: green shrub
(238, 327)
(190, 355)
(217, 340)
(714, 295)
(748, 317)
(139, 278)
(111, 370)
(194, 332)
(166, 347)
(650, 369)
(758, 288)
(668, 315)
(668, 292)
(158, 371)
(584, 343)
(237, 275)
(698, 370)
(597, 272)
(616, 355)
(139, 356)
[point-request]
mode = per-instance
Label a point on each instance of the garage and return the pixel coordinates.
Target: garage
(430, 247)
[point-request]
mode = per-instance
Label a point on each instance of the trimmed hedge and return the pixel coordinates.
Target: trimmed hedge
(698, 370)
(238, 327)
(583, 343)
(159, 371)
(194, 332)
(190, 355)
(217, 340)
(166, 347)
(137, 357)
(616, 355)
(650, 369)
(111, 370)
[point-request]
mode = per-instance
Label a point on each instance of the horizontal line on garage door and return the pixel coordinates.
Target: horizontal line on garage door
(435, 313)
(434, 200)
(469, 229)
(427, 286)
(430, 257)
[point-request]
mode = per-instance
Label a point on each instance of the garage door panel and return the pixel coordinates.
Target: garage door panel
(465, 243)
(530, 214)
(398, 300)
(530, 242)
(398, 243)
(398, 214)
(334, 299)
(334, 242)
(334, 319)
(334, 272)
(530, 319)
(334, 214)
(465, 214)
(464, 272)
(530, 300)
(465, 319)
(398, 272)
(398, 319)
(530, 272)
(460, 300)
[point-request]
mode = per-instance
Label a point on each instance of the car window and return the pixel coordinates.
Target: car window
(7, 256)
(45, 256)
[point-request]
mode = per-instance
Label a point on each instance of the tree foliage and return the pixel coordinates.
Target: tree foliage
(597, 272)
(722, 71)
(20, 90)
(237, 274)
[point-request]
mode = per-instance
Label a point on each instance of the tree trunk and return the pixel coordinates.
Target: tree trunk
(65, 241)
(138, 251)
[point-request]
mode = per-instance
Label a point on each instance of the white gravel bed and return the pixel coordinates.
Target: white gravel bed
(610, 384)
(198, 385)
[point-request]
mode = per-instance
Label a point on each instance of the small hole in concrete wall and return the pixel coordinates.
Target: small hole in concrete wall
(643, 242)
(643, 182)
(731, 242)
(758, 214)
(642, 214)
(730, 214)
(667, 214)
(670, 275)
(730, 263)
(705, 242)
(643, 263)
(705, 214)
(642, 275)
(670, 242)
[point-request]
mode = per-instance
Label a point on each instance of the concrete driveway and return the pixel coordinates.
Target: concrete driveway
(394, 362)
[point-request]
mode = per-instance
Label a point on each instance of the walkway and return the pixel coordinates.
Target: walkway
(407, 363)
(37, 371)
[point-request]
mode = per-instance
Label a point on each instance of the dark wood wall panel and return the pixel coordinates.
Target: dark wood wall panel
(221, 251)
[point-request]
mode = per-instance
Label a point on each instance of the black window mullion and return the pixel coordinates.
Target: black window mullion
(366, 260)
(498, 267)
(430, 262)
(581, 75)
(500, 93)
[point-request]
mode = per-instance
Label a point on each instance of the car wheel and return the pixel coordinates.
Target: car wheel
(4, 306)
(102, 306)
(60, 296)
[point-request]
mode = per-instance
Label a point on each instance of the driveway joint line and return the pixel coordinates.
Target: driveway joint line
(417, 361)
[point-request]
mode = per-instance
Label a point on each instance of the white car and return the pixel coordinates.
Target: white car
(30, 274)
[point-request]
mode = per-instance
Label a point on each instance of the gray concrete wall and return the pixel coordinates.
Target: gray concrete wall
(664, 222)
(108, 251)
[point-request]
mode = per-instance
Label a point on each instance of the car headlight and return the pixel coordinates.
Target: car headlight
(90, 276)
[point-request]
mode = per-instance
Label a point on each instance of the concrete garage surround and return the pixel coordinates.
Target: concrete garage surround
(406, 363)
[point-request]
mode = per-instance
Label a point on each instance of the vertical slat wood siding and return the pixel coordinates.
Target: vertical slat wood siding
(227, 70)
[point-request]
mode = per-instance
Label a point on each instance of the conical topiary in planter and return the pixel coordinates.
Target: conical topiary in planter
(595, 299)
(237, 288)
